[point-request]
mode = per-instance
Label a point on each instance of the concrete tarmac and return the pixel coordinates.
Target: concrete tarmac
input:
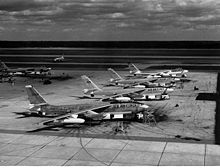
(44, 150)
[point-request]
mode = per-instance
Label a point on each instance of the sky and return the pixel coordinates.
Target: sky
(109, 20)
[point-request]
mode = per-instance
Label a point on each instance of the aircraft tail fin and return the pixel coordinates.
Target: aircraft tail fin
(164, 92)
(3, 66)
(133, 68)
(114, 73)
(34, 96)
(90, 83)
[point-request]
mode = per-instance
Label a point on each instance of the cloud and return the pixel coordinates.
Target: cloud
(45, 21)
(116, 15)
(2, 29)
(111, 15)
(37, 30)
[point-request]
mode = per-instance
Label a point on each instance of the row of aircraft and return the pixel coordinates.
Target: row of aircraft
(124, 102)
(143, 88)
(5, 69)
(7, 74)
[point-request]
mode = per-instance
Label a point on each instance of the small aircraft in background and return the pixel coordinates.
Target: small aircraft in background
(59, 59)
(179, 72)
(21, 71)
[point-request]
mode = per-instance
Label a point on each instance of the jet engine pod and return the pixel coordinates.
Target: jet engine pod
(92, 94)
(170, 90)
(73, 121)
(165, 96)
(111, 80)
(139, 86)
(144, 106)
(39, 109)
(138, 72)
(176, 79)
(185, 71)
(123, 99)
(41, 113)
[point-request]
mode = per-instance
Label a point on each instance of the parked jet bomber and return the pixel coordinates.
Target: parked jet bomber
(126, 105)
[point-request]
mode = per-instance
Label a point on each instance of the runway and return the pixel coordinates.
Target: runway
(114, 57)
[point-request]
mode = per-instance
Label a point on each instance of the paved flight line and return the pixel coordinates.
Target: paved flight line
(105, 136)
(38, 150)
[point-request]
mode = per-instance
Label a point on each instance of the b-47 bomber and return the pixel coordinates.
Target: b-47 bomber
(125, 95)
(19, 71)
(148, 82)
(179, 72)
(81, 113)
(40, 107)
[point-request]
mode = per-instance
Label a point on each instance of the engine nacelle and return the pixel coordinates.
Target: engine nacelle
(123, 99)
(185, 71)
(41, 113)
(151, 97)
(144, 106)
(36, 110)
(109, 116)
(162, 84)
(138, 72)
(173, 75)
(74, 116)
(166, 74)
(73, 121)
(156, 76)
(176, 79)
(139, 86)
(169, 90)
(87, 91)
(111, 80)
(165, 97)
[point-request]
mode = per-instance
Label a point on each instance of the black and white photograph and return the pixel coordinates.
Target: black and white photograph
(109, 83)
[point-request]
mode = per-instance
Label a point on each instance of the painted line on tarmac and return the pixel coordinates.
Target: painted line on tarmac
(102, 136)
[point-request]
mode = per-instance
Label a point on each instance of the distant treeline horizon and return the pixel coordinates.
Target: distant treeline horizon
(112, 44)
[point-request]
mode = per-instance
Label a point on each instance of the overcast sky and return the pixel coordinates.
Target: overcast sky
(110, 20)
